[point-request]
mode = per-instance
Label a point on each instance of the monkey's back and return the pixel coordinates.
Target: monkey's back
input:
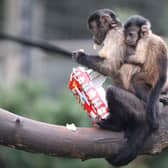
(156, 51)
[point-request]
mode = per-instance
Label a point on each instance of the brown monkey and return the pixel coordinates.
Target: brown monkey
(136, 45)
(108, 30)
(151, 55)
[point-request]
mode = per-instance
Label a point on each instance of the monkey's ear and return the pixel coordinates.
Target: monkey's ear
(145, 30)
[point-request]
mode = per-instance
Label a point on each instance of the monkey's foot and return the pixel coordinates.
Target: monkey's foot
(123, 158)
(109, 124)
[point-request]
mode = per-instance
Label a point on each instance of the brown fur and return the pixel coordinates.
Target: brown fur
(128, 70)
(156, 48)
(114, 49)
(150, 53)
(149, 50)
(126, 73)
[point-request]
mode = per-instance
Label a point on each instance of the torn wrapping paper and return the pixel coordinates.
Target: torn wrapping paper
(86, 86)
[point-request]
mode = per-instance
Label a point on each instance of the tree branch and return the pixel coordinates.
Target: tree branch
(38, 137)
(43, 45)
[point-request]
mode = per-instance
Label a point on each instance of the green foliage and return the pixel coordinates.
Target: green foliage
(158, 161)
(28, 99)
(10, 158)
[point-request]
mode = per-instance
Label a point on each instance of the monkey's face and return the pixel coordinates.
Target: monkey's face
(132, 35)
(101, 22)
(99, 31)
(136, 27)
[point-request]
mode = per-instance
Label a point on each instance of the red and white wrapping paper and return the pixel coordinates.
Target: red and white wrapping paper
(86, 86)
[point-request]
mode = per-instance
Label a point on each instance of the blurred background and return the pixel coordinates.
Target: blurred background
(36, 38)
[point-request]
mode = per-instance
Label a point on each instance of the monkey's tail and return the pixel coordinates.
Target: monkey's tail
(152, 115)
(135, 141)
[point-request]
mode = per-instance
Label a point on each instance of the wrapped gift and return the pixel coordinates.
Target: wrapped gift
(86, 86)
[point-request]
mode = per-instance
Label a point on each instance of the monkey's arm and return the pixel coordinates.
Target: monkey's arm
(97, 63)
(135, 59)
(139, 57)
(155, 92)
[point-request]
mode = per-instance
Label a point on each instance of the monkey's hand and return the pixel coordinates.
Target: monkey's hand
(78, 55)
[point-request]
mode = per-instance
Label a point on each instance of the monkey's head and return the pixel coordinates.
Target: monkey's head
(100, 22)
(136, 27)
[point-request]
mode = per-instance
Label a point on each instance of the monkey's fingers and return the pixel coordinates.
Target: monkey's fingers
(77, 53)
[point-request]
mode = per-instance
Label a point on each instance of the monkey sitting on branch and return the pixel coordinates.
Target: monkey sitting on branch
(107, 29)
(150, 53)
(135, 50)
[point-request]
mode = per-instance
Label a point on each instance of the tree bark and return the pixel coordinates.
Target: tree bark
(84, 143)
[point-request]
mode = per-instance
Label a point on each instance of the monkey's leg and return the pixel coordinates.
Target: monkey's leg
(135, 141)
(122, 102)
(129, 111)
(145, 92)
(122, 106)
(96, 63)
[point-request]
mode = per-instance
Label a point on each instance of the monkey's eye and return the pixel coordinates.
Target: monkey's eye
(131, 34)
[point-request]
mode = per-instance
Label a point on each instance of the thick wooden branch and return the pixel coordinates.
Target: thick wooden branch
(44, 45)
(38, 137)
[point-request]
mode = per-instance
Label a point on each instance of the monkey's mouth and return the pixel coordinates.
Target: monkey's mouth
(130, 43)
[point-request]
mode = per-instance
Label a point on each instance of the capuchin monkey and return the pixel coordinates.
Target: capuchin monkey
(149, 51)
(135, 50)
(108, 31)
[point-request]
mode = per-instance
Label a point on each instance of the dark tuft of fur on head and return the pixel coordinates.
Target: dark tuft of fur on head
(136, 20)
(96, 15)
